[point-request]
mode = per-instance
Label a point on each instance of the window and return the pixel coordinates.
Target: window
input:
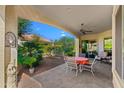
(88, 45)
(107, 44)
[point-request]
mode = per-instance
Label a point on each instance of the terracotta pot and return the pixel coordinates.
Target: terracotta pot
(31, 70)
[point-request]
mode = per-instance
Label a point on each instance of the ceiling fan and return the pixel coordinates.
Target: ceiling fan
(83, 31)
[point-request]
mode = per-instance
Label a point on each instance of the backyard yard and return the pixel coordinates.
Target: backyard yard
(47, 64)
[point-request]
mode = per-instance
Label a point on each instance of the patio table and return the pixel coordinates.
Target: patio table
(81, 61)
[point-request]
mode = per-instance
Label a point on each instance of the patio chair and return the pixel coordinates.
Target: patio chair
(102, 54)
(71, 64)
(90, 66)
(105, 57)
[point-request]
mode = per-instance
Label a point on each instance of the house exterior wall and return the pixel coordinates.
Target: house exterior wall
(99, 37)
(2, 41)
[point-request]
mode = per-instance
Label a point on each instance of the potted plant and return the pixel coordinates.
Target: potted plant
(29, 61)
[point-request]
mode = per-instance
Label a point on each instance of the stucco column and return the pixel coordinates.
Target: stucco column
(80, 46)
(77, 42)
(100, 46)
(11, 53)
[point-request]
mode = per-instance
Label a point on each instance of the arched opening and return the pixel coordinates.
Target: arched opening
(42, 47)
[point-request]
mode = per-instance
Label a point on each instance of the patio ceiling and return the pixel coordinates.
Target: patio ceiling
(95, 18)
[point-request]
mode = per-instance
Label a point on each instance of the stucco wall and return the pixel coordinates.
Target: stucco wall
(2, 34)
(97, 36)
(118, 82)
(2, 12)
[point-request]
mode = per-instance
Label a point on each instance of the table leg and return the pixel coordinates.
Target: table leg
(80, 68)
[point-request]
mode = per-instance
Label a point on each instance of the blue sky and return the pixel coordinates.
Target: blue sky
(47, 31)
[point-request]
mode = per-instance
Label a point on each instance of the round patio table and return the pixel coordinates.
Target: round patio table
(81, 60)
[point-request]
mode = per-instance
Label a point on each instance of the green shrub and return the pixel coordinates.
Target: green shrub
(28, 51)
(28, 61)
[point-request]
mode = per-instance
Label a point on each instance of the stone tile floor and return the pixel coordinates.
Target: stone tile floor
(58, 78)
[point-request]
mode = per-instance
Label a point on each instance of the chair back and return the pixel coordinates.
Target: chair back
(94, 61)
(65, 59)
(71, 64)
(69, 59)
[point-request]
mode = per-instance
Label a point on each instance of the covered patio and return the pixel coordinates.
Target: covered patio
(97, 25)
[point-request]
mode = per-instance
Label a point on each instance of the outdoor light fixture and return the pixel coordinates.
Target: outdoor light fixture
(10, 40)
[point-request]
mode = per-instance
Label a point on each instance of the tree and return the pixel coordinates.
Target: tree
(67, 45)
(23, 24)
(30, 51)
